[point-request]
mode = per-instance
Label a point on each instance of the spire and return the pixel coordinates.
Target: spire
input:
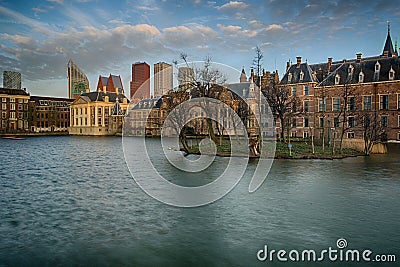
(243, 77)
(388, 50)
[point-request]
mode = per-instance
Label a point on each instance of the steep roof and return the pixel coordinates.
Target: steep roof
(99, 96)
(117, 81)
(293, 74)
(388, 44)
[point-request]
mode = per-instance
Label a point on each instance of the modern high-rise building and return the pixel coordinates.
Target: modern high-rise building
(78, 83)
(163, 78)
(185, 78)
(140, 81)
(11, 79)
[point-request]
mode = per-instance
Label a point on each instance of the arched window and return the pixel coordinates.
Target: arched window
(361, 77)
(337, 79)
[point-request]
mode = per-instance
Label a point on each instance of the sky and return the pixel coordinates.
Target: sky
(38, 38)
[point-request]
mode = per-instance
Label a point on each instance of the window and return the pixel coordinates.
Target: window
(19, 106)
(99, 121)
(294, 123)
(350, 121)
(398, 101)
(322, 105)
(294, 106)
(289, 78)
(294, 91)
(306, 90)
(12, 100)
(351, 135)
(99, 111)
(384, 102)
(377, 66)
(367, 121)
(384, 121)
(3, 115)
(301, 75)
(367, 102)
(306, 106)
(305, 135)
(391, 74)
(12, 106)
(4, 106)
(20, 100)
(398, 121)
(361, 77)
(351, 103)
(337, 79)
(336, 104)
(306, 122)
(3, 99)
(321, 122)
(336, 122)
(350, 70)
(12, 115)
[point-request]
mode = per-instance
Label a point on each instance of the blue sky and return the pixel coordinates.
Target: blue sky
(39, 37)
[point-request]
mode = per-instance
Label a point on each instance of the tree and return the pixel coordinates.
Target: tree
(373, 130)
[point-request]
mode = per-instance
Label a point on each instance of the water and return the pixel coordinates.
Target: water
(70, 201)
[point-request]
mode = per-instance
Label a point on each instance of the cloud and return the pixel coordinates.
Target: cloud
(233, 5)
(17, 39)
(188, 36)
(234, 31)
(148, 8)
(60, 2)
(38, 10)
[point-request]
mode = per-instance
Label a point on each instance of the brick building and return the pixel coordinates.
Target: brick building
(14, 110)
(140, 81)
(338, 95)
(49, 114)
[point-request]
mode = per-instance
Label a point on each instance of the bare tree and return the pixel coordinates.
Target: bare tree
(373, 130)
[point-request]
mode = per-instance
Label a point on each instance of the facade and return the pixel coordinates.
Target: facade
(11, 79)
(78, 83)
(14, 110)
(163, 78)
(140, 81)
(145, 118)
(98, 113)
(49, 114)
(342, 95)
(112, 83)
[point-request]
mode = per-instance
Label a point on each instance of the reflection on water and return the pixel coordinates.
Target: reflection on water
(71, 201)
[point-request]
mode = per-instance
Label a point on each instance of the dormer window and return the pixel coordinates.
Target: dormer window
(301, 75)
(391, 74)
(361, 77)
(377, 67)
(351, 70)
(289, 78)
(337, 79)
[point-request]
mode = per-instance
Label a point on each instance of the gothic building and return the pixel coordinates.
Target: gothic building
(338, 96)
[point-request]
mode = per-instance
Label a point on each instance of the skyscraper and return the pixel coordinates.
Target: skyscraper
(185, 78)
(78, 83)
(140, 79)
(163, 81)
(11, 79)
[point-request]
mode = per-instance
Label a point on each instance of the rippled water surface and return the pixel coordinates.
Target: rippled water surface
(69, 201)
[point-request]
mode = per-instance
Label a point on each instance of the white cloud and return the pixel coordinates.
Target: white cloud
(38, 10)
(147, 8)
(60, 2)
(233, 5)
(236, 31)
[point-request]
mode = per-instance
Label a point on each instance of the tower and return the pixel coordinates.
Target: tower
(11, 79)
(78, 83)
(163, 81)
(243, 77)
(388, 50)
(140, 81)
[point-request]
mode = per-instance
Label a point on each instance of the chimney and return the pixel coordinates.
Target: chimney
(358, 57)
(104, 89)
(328, 67)
(298, 62)
(386, 53)
(287, 65)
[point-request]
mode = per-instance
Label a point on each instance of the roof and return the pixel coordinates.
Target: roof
(51, 101)
(241, 89)
(299, 74)
(320, 73)
(117, 81)
(148, 103)
(9, 91)
(99, 96)
(388, 44)
(117, 110)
